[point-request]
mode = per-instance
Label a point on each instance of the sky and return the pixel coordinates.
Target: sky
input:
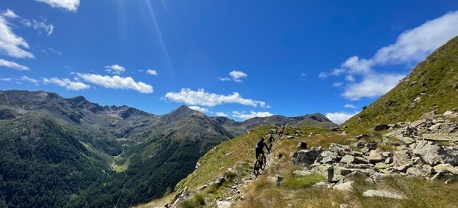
(234, 58)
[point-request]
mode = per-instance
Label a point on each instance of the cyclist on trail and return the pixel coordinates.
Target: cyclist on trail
(271, 142)
(260, 144)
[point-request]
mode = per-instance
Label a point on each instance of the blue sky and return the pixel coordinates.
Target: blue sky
(234, 58)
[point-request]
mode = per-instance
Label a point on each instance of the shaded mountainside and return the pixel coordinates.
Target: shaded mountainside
(101, 155)
(431, 86)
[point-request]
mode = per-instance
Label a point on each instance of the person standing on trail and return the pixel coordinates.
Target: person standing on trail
(260, 144)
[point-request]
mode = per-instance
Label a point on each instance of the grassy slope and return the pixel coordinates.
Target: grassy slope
(434, 80)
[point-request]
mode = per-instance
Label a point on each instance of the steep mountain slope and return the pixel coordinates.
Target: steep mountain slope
(44, 163)
(431, 86)
(172, 146)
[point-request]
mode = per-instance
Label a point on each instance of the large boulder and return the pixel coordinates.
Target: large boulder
(429, 152)
(307, 157)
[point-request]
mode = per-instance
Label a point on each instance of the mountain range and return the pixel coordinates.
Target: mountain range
(78, 153)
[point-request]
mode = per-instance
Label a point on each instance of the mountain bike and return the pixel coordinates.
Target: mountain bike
(259, 164)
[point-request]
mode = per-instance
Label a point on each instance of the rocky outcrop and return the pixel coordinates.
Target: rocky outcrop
(416, 151)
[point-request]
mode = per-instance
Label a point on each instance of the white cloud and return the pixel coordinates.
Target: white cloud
(10, 14)
(13, 65)
(68, 84)
(224, 79)
(115, 69)
(52, 50)
(200, 109)
(221, 114)
(410, 47)
(11, 44)
(418, 43)
(26, 78)
(349, 106)
(372, 86)
(70, 5)
(152, 72)
(243, 115)
(116, 82)
(237, 75)
(201, 97)
(339, 117)
(23, 78)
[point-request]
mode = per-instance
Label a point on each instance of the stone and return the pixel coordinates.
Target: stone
(372, 145)
(375, 157)
(450, 155)
(328, 157)
(446, 168)
(307, 157)
(429, 115)
(381, 165)
(347, 159)
(450, 115)
(429, 152)
(435, 127)
(340, 149)
(419, 171)
(362, 136)
(401, 158)
(381, 127)
(383, 194)
(223, 204)
(302, 145)
(347, 186)
(439, 137)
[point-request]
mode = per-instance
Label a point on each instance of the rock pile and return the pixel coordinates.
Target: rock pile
(425, 148)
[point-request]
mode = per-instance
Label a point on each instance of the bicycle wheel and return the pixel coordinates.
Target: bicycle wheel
(263, 162)
(256, 167)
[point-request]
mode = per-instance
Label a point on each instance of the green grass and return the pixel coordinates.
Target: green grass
(292, 182)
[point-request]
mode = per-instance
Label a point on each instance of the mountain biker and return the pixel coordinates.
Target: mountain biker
(271, 142)
(260, 144)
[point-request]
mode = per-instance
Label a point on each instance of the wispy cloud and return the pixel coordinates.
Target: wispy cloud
(200, 97)
(13, 65)
(11, 44)
(69, 5)
(68, 84)
(151, 72)
(340, 117)
(236, 76)
(48, 28)
(243, 115)
(410, 47)
(26, 78)
(349, 106)
(115, 69)
(116, 82)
